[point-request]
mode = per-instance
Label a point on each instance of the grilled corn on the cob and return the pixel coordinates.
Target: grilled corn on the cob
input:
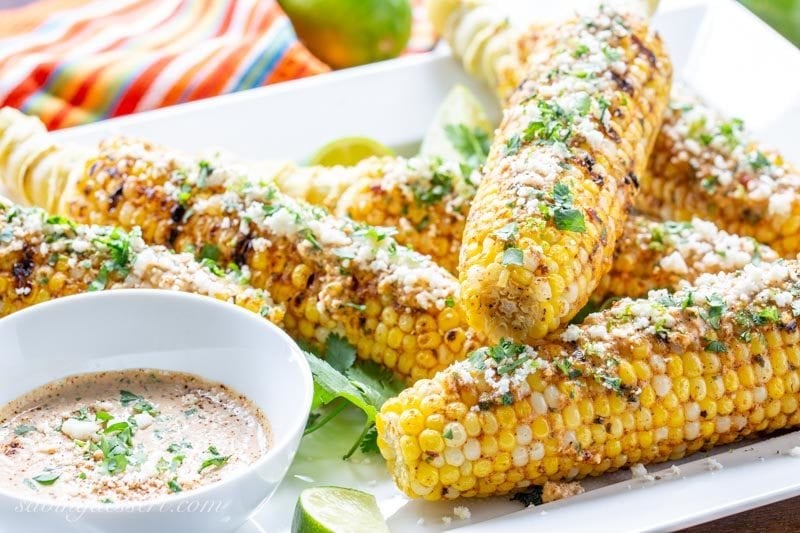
(641, 382)
(559, 179)
(428, 202)
(663, 255)
(426, 199)
(335, 276)
(44, 257)
(708, 165)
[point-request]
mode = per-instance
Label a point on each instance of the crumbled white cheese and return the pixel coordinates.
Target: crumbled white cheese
(795, 452)
(461, 512)
(571, 333)
(638, 471)
(712, 464)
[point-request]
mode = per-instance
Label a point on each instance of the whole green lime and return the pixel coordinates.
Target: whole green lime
(346, 33)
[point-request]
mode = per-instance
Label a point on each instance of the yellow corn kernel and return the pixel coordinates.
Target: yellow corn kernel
(412, 422)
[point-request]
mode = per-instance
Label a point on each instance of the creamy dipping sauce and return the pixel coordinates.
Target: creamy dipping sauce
(131, 435)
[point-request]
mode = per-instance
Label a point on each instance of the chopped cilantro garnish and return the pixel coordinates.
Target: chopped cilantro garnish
(204, 171)
(584, 104)
(604, 105)
(99, 283)
(611, 54)
(554, 126)
(440, 185)
(716, 347)
(23, 429)
(449, 302)
(507, 398)
(209, 251)
(126, 398)
(46, 478)
(565, 216)
(566, 367)
(759, 161)
(508, 232)
(716, 307)
(580, 51)
(513, 144)
(471, 144)
(375, 233)
(513, 256)
(769, 314)
(212, 266)
(217, 460)
(609, 382)
(173, 485)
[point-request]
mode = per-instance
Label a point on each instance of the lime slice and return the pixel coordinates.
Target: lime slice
(348, 151)
(459, 107)
(337, 510)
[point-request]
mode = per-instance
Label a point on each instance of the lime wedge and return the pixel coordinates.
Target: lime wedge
(460, 107)
(348, 151)
(337, 510)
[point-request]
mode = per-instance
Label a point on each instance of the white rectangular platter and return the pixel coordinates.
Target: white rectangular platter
(719, 49)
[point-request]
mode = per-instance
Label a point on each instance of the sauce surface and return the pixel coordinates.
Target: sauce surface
(130, 435)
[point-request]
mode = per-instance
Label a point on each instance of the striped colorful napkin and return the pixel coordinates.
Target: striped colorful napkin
(76, 61)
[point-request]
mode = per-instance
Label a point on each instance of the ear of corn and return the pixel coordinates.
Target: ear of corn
(316, 185)
(334, 276)
(641, 382)
(426, 199)
(663, 255)
(559, 179)
(44, 257)
(708, 165)
(480, 35)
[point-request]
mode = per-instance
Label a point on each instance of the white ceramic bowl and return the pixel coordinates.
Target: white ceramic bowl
(171, 331)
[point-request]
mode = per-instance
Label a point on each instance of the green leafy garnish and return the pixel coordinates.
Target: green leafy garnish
(471, 144)
(440, 185)
(364, 385)
(46, 478)
(716, 347)
(716, 306)
(23, 429)
(508, 233)
(339, 353)
(173, 485)
(565, 216)
(580, 51)
(554, 126)
(759, 161)
(209, 251)
(513, 144)
(513, 256)
(217, 460)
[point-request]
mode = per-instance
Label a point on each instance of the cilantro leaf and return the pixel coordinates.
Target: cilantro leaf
(369, 444)
(330, 384)
(375, 382)
(471, 144)
(513, 256)
(46, 478)
(565, 216)
(209, 251)
(23, 429)
(339, 353)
